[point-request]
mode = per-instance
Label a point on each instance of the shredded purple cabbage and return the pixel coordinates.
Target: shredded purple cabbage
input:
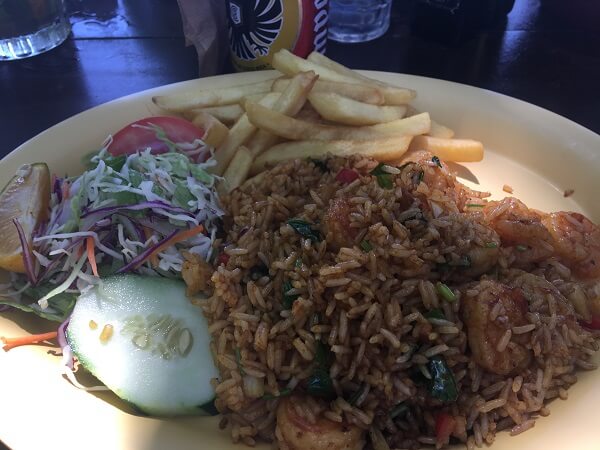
(57, 188)
(139, 259)
(137, 207)
(26, 252)
(61, 334)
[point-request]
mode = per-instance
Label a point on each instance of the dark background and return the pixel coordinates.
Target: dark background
(546, 52)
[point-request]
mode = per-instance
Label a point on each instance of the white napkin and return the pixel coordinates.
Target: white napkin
(205, 27)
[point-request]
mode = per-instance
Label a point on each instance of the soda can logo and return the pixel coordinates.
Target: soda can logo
(235, 12)
(253, 27)
(260, 28)
(320, 26)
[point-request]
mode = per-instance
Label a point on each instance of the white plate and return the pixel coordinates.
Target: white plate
(538, 153)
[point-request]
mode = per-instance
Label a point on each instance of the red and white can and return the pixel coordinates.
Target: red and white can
(260, 28)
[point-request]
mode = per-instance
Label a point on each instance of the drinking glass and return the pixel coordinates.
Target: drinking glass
(358, 20)
(30, 27)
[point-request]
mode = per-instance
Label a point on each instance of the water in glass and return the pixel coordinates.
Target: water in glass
(30, 27)
(358, 20)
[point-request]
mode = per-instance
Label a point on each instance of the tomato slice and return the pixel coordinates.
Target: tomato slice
(223, 259)
(346, 176)
(139, 135)
(594, 324)
(444, 427)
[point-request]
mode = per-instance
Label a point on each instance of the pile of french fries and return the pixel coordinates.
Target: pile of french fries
(316, 108)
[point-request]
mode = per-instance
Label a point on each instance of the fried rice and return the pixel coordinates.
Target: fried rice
(393, 300)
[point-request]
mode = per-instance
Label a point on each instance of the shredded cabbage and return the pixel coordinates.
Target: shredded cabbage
(126, 204)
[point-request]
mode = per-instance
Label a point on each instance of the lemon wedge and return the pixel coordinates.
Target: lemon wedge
(25, 198)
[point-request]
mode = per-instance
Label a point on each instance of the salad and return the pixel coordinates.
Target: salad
(133, 210)
(103, 252)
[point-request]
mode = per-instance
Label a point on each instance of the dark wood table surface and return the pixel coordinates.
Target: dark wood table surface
(546, 52)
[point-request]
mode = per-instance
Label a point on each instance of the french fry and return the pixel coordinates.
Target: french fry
(291, 101)
(330, 64)
(238, 134)
(295, 129)
(290, 64)
(359, 92)
(214, 131)
(309, 114)
(382, 149)
(344, 110)
(393, 95)
(412, 126)
(437, 129)
(262, 140)
(202, 98)
(227, 114)
(252, 98)
(238, 169)
(459, 150)
(440, 131)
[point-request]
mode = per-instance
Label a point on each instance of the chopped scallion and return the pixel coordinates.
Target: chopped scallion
(321, 164)
(445, 291)
(355, 396)
(288, 300)
(442, 384)
(464, 261)
(366, 246)
(435, 313)
(304, 229)
(238, 360)
(384, 179)
(399, 410)
(282, 393)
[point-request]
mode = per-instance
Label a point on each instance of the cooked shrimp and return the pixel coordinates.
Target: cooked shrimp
(196, 273)
(586, 305)
(336, 224)
(594, 305)
(576, 240)
(514, 221)
(437, 179)
(482, 260)
(485, 335)
(295, 432)
(521, 227)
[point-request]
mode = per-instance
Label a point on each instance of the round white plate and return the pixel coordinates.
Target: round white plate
(538, 153)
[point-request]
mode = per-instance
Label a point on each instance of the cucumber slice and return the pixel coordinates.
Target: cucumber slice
(147, 343)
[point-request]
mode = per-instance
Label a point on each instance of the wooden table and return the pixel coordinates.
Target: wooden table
(546, 53)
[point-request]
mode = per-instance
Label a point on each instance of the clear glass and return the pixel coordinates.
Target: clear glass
(358, 20)
(31, 27)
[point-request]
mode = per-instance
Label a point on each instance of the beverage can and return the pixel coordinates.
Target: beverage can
(260, 28)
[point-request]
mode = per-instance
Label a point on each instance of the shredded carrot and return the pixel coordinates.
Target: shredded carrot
(89, 243)
(153, 256)
(80, 251)
(65, 191)
(181, 236)
(26, 340)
